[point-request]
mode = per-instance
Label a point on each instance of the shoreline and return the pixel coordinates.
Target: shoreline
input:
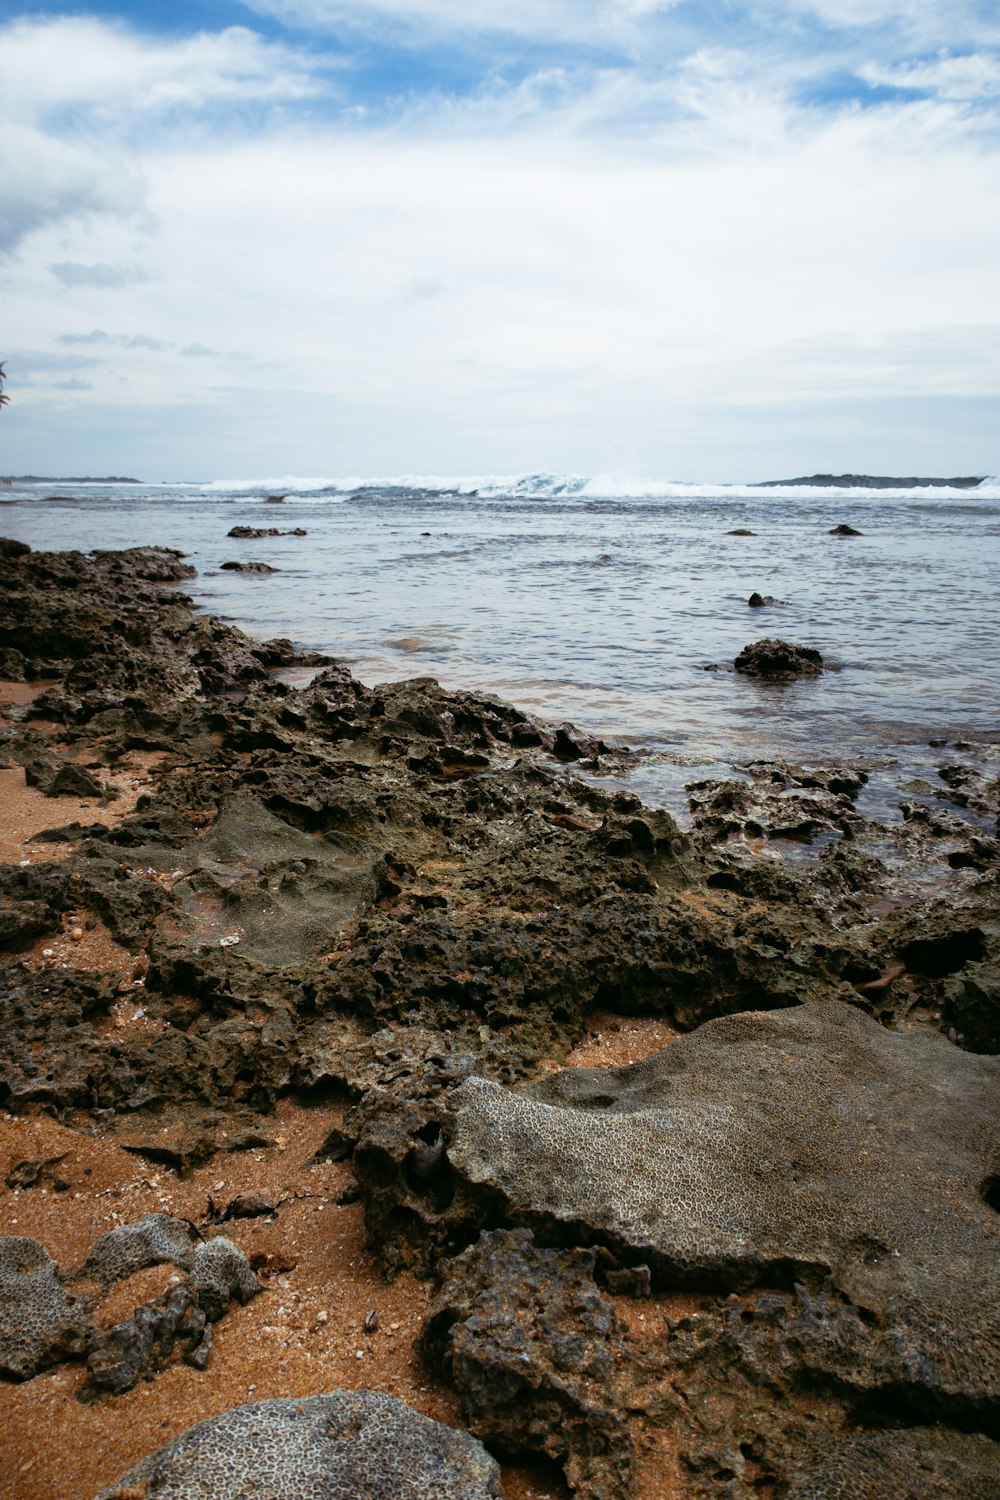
(330, 914)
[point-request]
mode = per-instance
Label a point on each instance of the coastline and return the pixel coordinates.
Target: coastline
(319, 912)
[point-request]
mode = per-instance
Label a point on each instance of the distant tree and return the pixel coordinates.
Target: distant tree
(3, 399)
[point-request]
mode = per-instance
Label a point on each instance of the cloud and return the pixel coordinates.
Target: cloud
(73, 384)
(521, 267)
(44, 181)
(73, 274)
(104, 72)
(974, 76)
(75, 90)
(120, 340)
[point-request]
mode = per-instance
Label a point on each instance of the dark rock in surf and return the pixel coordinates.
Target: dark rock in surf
(569, 744)
(775, 659)
(248, 567)
(843, 530)
(761, 601)
(741, 531)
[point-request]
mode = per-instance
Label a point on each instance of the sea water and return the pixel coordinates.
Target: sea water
(617, 605)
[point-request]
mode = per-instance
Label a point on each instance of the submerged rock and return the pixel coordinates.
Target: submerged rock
(348, 1443)
(774, 658)
(248, 567)
(254, 533)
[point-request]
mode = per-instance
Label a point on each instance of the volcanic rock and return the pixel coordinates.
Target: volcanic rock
(535, 1352)
(254, 533)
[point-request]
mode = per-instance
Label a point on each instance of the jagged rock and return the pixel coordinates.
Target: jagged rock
(775, 659)
(843, 530)
(761, 601)
(174, 1323)
(38, 1173)
(348, 1443)
(535, 1352)
(40, 1323)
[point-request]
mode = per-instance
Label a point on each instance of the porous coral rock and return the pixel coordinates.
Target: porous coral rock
(345, 1443)
(219, 1275)
(148, 1242)
(808, 1144)
(774, 658)
(920, 1463)
(40, 1322)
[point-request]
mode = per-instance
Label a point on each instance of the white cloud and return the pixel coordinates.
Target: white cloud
(44, 180)
(69, 88)
(107, 72)
(975, 76)
(511, 279)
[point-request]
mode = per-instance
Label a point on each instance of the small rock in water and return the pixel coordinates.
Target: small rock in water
(843, 530)
(759, 601)
(773, 658)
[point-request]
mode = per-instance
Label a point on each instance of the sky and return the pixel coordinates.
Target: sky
(687, 239)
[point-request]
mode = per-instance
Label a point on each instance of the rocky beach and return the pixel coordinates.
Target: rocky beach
(388, 1090)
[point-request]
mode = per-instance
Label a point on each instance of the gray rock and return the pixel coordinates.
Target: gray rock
(40, 1322)
(174, 1323)
(148, 1242)
(921, 1463)
(248, 567)
(343, 1444)
(808, 1143)
(220, 1274)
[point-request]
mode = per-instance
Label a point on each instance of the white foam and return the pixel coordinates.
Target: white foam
(544, 485)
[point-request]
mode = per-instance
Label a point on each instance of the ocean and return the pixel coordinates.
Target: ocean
(618, 605)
